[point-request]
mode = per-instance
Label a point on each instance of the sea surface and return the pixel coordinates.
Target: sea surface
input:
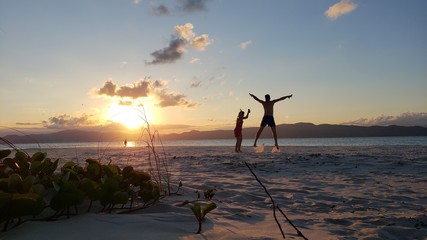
(327, 142)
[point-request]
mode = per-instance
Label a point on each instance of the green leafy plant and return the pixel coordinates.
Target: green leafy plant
(201, 207)
(200, 212)
(21, 193)
(209, 194)
(67, 194)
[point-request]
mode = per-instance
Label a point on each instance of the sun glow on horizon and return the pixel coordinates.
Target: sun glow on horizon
(130, 116)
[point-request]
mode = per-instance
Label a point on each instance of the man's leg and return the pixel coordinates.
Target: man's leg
(258, 134)
(273, 129)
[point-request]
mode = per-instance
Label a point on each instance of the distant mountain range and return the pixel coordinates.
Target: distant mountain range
(298, 130)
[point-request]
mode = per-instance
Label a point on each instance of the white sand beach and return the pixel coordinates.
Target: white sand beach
(327, 192)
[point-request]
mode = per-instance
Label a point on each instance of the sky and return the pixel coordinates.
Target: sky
(187, 65)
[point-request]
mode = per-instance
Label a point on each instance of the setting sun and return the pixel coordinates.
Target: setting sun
(129, 115)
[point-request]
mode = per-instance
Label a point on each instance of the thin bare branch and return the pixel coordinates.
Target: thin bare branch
(271, 198)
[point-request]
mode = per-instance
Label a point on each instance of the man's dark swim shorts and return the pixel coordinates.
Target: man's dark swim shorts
(268, 120)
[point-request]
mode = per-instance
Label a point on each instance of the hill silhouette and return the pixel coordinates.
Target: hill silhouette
(309, 130)
(298, 130)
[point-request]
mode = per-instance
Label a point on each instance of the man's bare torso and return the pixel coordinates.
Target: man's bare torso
(268, 108)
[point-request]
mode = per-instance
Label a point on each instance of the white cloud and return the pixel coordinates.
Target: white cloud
(194, 60)
(185, 31)
(123, 64)
(200, 42)
(340, 8)
(245, 45)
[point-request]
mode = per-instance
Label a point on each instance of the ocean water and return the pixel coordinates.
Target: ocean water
(327, 142)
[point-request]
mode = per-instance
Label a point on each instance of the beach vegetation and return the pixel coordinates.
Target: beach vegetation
(200, 213)
(28, 183)
(158, 162)
(201, 207)
(209, 193)
(20, 192)
(67, 194)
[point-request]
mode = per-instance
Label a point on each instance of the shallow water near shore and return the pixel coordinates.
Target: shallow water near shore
(350, 141)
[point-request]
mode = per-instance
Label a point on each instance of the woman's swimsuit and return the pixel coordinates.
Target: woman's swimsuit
(238, 128)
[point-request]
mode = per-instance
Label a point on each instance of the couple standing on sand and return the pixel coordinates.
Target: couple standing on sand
(267, 119)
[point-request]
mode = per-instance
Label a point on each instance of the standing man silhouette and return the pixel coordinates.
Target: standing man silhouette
(268, 118)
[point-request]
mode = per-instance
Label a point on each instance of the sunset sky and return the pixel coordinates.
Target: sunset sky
(192, 63)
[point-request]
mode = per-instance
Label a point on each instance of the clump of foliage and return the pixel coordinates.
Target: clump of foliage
(30, 184)
(23, 180)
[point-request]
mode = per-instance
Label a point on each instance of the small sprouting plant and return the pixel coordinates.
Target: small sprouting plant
(200, 213)
(209, 194)
(197, 209)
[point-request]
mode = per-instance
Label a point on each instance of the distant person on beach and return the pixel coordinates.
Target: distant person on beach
(125, 142)
(238, 129)
(268, 118)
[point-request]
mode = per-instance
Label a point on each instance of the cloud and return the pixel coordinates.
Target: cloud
(84, 121)
(136, 1)
(167, 99)
(123, 64)
(194, 60)
(160, 10)
(169, 54)
(185, 31)
(183, 37)
(126, 103)
(27, 124)
(157, 90)
(340, 8)
(195, 83)
(67, 121)
(183, 6)
(192, 5)
(404, 119)
(245, 45)
(139, 89)
(200, 42)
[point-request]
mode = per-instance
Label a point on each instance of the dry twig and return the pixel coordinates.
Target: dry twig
(271, 198)
(274, 208)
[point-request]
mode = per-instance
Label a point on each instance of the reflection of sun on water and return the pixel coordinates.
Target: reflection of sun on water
(130, 116)
(130, 144)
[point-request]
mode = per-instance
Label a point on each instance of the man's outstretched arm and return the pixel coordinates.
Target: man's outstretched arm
(283, 98)
(255, 97)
